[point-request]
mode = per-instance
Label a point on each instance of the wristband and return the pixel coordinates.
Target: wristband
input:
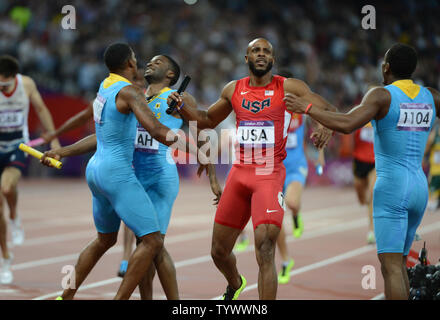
(181, 106)
(308, 108)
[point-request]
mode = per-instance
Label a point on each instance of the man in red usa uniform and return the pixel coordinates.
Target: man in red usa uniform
(255, 183)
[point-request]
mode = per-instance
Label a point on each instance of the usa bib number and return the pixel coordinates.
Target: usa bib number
(11, 119)
(292, 140)
(98, 105)
(415, 117)
(144, 142)
(367, 134)
(256, 133)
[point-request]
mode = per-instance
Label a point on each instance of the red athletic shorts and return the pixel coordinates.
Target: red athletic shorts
(248, 194)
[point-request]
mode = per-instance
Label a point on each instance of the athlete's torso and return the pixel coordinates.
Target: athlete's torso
(14, 110)
(149, 153)
(115, 131)
(261, 121)
(364, 144)
(400, 137)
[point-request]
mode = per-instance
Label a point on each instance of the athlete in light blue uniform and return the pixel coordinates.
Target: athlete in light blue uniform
(110, 169)
(402, 114)
(117, 193)
(401, 190)
(295, 162)
(154, 166)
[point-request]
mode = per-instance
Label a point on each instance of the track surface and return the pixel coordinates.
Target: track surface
(329, 256)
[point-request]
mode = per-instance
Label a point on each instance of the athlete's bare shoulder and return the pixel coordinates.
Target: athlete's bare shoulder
(129, 97)
(228, 90)
(378, 94)
(130, 92)
(296, 87)
(29, 84)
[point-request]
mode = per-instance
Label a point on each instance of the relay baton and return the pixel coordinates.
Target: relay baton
(36, 142)
(182, 88)
(37, 154)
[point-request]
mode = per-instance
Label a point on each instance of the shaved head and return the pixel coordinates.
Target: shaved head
(257, 41)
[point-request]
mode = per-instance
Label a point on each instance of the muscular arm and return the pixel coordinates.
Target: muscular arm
(133, 98)
(83, 146)
(191, 106)
(301, 89)
(374, 102)
(216, 112)
(75, 121)
(39, 106)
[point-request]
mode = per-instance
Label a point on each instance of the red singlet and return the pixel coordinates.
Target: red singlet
(255, 183)
(363, 144)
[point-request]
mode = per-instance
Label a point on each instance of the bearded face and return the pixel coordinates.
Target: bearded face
(260, 71)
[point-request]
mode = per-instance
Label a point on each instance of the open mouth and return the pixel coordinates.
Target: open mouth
(261, 62)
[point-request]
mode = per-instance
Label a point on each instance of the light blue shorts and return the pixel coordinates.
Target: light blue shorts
(296, 170)
(162, 187)
(120, 196)
(398, 209)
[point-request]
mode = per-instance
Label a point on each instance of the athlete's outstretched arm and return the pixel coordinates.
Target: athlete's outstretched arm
(214, 115)
(134, 99)
(301, 89)
(376, 100)
(83, 146)
(190, 103)
(40, 108)
(74, 122)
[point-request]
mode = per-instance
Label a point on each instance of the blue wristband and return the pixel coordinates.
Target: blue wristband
(181, 106)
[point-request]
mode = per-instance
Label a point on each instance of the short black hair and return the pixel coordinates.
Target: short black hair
(116, 55)
(9, 66)
(402, 59)
(173, 67)
(285, 73)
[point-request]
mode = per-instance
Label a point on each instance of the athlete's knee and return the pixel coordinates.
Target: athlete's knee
(293, 205)
(389, 266)
(8, 190)
(107, 241)
(219, 252)
(161, 256)
(265, 249)
(153, 241)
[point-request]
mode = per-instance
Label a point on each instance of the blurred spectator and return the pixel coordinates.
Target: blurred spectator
(320, 41)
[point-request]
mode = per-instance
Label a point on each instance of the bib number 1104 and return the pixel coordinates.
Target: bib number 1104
(415, 117)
